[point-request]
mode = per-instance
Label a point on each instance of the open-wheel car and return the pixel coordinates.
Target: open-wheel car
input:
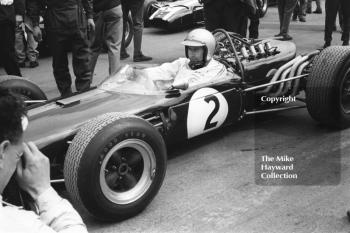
(108, 145)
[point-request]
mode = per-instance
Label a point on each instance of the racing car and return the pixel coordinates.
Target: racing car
(179, 14)
(108, 144)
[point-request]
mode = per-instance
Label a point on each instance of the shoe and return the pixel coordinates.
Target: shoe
(345, 43)
(317, 11)
(294, 18)
(308, 11)
(124, 55)
(21, 64)
(142, 57)
(348, 214)
(286, 37)
(67, 93)
(33, 64)
(278, 35)
(327, 44)
(302, 19)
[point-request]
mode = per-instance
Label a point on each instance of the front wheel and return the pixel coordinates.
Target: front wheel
(328, 87)
(115, 166)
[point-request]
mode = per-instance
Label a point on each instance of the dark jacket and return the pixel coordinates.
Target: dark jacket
(61, 15)
(103, 5)
(8, 13)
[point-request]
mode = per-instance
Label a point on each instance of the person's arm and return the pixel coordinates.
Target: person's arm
(19, 11)
(34, 178)
(88, 7)
(33, 8)
(166, 71)
(58, 213)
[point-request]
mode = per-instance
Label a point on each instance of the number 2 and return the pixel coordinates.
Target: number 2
(209, 124)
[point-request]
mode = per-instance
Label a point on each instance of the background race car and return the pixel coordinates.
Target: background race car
(180, 14)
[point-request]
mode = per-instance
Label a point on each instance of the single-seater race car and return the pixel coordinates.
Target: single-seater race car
(179, 14)
(108, 145)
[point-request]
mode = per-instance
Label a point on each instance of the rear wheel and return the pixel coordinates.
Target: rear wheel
(328, 87)
(26, 89)
(262, 7)
(128, 31)
(115, 166)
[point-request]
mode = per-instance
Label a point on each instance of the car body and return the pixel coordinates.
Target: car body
(175, 15)
(108, 144)
(180, 14)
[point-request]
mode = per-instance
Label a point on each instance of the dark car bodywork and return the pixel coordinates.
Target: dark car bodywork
(54, 124)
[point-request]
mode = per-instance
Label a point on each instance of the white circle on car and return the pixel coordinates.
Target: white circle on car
(207, 110)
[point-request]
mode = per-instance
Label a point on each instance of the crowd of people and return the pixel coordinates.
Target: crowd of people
(83, 26)
(101, 22)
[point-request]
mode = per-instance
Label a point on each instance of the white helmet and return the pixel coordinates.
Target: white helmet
(201, 38)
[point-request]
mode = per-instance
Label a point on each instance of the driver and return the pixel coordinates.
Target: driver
(197, 68)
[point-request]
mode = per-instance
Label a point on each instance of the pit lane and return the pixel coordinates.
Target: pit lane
(210, 182)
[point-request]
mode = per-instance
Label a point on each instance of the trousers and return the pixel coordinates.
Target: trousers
(332, 7)
(230, 16)
(108, 30)
(60, 42)
(7, 48)
(285, 11)
(136, 9)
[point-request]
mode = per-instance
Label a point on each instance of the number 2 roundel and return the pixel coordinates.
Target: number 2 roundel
(207, 110)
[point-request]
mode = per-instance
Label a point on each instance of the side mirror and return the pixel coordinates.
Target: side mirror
(182, 85)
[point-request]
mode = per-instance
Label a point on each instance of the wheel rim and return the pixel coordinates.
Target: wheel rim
(345, 93)
(127, 171)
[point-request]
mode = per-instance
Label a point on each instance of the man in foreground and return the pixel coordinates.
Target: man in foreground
(32, 170)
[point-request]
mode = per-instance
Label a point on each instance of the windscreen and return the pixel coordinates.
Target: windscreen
(131, 80)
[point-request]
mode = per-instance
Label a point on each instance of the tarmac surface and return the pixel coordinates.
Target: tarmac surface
(211, 184)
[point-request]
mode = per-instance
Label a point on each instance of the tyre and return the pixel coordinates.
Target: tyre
(148, 10)
(128, 31)
(22, 87)
(328, 87)
(262, 7)
(115, 166)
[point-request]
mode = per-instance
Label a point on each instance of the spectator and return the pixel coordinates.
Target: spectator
(255, 20)
(109, 30)
(285, 10)
(67, 23)
(230, 15)
(10, 13)
(318, 7)
(136, 9)
(332, 7)
(25, 44)
(254, 27)
(300, 11)
(55, 213)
